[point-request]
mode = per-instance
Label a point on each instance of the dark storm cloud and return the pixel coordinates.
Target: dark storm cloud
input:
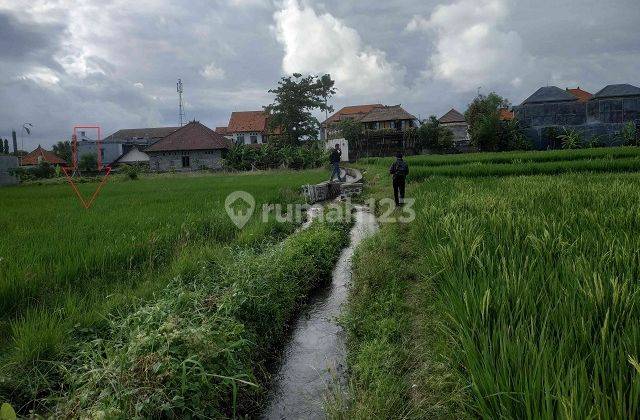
(116, 63)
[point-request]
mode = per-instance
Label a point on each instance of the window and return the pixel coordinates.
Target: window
(186, 162)
(254, 139)
(240, 139)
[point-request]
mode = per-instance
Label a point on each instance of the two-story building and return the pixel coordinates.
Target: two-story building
(247, 127)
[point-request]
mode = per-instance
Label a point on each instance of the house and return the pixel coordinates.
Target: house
(582, 95)
(248, 127)
(40, 155)
(190, 148)
(602, 115)
(505, 114)
(133, 157)
(455, 121)
(388, 117)
(329, 127)
(118, 144)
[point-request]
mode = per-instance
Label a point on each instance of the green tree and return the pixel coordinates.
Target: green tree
(6, 147)
(88, 163)
(351, 130)
(629, 135)
(296, 99)
(435, 137)
(483, 115)
(62, 149)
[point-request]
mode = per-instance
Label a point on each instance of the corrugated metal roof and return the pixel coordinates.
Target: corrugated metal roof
(549, 94)
(612, 91)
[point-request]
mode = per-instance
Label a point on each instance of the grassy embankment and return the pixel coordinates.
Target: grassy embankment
(70, 276)
(507, 297)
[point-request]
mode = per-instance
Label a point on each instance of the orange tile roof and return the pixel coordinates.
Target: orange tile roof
(221, 130)
(582, 95)
(247, 121)
(506, 115)
(356, 112)
(43, 155)
(193, 136)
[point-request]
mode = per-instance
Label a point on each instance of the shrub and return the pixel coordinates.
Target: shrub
(629, 135)
(88, 163)
(132, 171)
(571, 139)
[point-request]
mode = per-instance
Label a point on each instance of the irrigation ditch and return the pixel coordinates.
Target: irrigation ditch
(314, 357)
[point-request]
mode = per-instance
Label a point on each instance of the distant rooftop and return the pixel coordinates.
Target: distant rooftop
(387, 113)
(453, 116)
(582, 95)
(355, 112)
(549, 94)
(141, 133)
(612, 91)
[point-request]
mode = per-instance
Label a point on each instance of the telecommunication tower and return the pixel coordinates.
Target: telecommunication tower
(180, 91)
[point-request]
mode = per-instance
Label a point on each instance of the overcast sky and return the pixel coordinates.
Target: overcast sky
(115, 63)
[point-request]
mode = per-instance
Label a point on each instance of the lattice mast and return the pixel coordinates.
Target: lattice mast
(181, 109)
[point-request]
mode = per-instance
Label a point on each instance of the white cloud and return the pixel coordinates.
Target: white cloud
(43, 76)
(139, 85)
(471, 49)
(318, 44)
(212, 72)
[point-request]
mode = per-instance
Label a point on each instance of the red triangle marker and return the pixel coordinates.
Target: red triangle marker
(86, 204)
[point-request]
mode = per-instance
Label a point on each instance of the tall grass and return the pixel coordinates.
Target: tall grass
(64, 270)
(200, 350)
(513, 157)
(532, 300)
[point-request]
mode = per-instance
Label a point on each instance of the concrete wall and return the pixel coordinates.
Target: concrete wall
(261, 139)
(598, 117)
(110, 151)
(6, 164)
(344, 146)
(172, 161)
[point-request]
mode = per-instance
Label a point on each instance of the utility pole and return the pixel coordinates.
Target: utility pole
(180, 91)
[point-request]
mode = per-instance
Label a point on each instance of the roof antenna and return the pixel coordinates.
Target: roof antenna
(180, 91)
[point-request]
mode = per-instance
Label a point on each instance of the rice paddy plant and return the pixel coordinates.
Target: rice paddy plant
(525, 303)
(513, 157)
(65, 270)
(201, 349)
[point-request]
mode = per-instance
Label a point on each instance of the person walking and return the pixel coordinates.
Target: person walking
(334, 158)
(399, 170)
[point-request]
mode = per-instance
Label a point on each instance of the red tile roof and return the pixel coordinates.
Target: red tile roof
(43, 155)
(506, 115)
(247, 121)
(221, 130)
(582, 95)
(193, 136)
(356, 112)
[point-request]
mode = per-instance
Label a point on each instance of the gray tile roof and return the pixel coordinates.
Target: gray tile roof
(612, 91)
(154, 133)
(550, 94)
(453, 116)
(387, 113)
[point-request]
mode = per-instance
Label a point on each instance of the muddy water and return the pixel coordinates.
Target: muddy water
(314, 358)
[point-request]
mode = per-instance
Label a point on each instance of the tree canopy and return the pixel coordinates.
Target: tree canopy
(296, 99)
(62, 149)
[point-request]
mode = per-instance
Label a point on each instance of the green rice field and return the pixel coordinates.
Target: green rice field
(69, 276)
(513, 294)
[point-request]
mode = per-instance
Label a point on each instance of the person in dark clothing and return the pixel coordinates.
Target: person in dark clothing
(399, 170)
(334, 158)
